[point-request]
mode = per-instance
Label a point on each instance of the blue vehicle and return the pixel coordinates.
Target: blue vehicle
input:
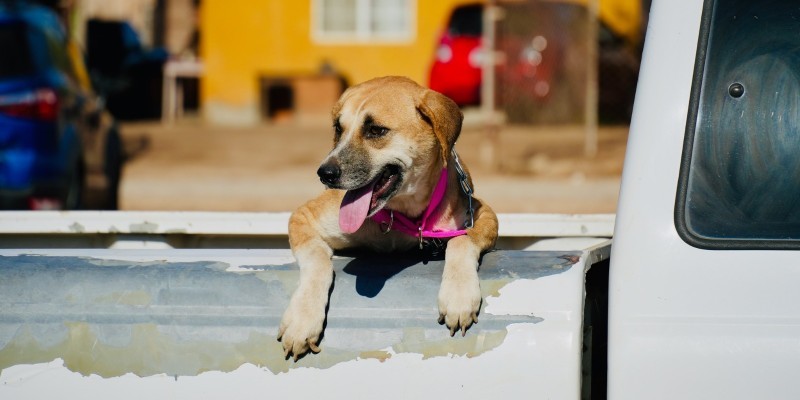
(59, 148)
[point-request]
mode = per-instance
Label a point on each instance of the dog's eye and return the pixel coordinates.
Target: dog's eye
(377, 131)
(337, 129)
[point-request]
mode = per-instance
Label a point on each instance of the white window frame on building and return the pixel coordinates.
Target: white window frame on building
(361, 21)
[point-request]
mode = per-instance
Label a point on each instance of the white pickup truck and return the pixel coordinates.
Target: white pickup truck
(697, 299)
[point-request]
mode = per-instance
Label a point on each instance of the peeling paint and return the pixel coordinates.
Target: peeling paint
(414, 341)
(380, 355)
(523, 366)
(491, 288)
(109, 317)
(546, 294)
(150, 351)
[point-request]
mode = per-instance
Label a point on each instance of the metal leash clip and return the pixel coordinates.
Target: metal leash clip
(389, 225)
(466, 188)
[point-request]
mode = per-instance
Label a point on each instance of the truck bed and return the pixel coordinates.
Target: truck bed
(202, 323)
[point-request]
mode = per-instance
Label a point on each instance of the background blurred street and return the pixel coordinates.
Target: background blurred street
(225, 105)
(195, 166)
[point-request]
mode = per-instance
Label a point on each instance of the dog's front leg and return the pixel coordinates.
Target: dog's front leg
(302, 323)
(460, 292)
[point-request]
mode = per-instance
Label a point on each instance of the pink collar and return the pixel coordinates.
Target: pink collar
(422, 228)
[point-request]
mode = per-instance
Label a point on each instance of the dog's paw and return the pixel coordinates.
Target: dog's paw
(301, 328)
(459, 301)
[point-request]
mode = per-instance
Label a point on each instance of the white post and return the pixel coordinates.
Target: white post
(488, 62)
(590, 142)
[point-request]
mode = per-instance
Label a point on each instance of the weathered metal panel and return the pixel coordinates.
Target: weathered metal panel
(182, 321)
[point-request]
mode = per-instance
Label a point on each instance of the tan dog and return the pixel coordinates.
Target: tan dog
(392, 147)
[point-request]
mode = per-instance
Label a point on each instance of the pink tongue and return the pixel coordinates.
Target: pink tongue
(354, 208)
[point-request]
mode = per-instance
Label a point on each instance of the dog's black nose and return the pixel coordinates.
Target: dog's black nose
(329, 173)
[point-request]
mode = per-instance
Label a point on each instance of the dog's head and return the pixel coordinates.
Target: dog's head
(391, 138)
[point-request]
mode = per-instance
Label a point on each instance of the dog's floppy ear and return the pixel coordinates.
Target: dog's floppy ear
(444, 116)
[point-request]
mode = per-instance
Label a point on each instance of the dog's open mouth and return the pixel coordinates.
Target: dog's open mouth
(359, 204)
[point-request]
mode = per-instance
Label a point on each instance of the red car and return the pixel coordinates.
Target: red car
(456, 70)
(526, 69)
(539, 74)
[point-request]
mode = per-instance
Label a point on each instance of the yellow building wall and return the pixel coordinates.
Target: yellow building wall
(242, 40)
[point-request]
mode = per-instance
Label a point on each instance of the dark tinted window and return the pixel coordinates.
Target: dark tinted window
(467, 21)
(15, 55)
(740, 179)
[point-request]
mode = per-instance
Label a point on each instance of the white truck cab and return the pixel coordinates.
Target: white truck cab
(704, 268)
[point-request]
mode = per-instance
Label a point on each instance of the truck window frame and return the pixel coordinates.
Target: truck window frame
(681, 215)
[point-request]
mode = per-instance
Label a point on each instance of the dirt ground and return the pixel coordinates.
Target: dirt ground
(192, 166)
